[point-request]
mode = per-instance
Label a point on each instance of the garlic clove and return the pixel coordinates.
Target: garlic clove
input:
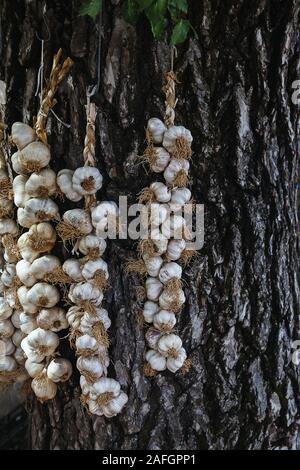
(23, 273)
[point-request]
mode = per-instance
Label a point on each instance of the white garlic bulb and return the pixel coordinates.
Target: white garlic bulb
(22, 134)
(8, 364)
(86, 345)
(73, 316)
(174, 363)
(169, 271)
(164, 320)
(34, 157)
(91, 367)
(153, 264)
(79, 220)
(156, 360)
(174, 170)
(175, 249)
(6, 329)
(8, 275)
(24, 245)
(87, 180)
(59, 370)
(152, 336)
(72, 268)
(44, 388)
(27, 323)
(64, 182)
(53, 319)
(23, 273)
(156, 129)
(19, 356)
(17, 337)
(34, 368)
(7, 347)
(15, 318)
(28, 307)
(37, 210)
(153, 288)
(43, 295)
(39, 344)
(85, 291)
(177, 140)
(160, 159)
(44, 265)
(91, 245)
(168, 343)
(180, 196)
(161, 191)
(88, 321)
(20, 195)
(158, 214)
(175, 227)
(8, 226)
(171, 300)
(42, 184)
(159, 240)
(94, 268)
(41, 237)
(149, 310)
(103, 213)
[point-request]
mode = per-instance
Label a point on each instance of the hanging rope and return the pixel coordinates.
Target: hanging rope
(169, 90)
(58, 72)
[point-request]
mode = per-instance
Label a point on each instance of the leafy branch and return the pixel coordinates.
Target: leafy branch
(156, 11)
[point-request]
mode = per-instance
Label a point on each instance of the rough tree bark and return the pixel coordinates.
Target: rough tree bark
(242, 310)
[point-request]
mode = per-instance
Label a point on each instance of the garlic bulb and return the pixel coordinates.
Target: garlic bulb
(43, 387)
(22, 134)
(164, 321)
(19, 356)
(88, 321)
(175, 227)
(8, 226)
(27, 323)
(43, 295)
(28, 307)
(7, 347)
(87, 180)
(108, 397)
(169, 271)
(176, 172)
(175, 363)
(156, 360)
(64, 182)
(86, 345)
(152, 336)
(17, 337)
(8, 275)
(158, 159)
(15, 318)
(24, 245)
(180, 196)
(84, 291)
(158, 214)
(177, 140)
(96, 272)
(20, 195)
(8, 364)
(172, 300)
(39, 344)
(153, 288)
(159, 240)
(41, 237)
(153, 264)
(23, 273)
(92, 246)
(75, 223)
(53, 319)
(59, 370)
(34, 368)
(72, 268)
(104, 213)
(90, 367)
(42, 184)
(6, 329)
(175, 249)
(168, 343)
(34, 157)
(37, 210)
(150, 309)
(161, 191)
(156, 129)
(44, 265)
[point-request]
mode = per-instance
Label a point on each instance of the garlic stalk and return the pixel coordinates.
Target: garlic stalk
(88, 321)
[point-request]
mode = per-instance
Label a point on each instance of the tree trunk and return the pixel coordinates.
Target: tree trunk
(242, 310)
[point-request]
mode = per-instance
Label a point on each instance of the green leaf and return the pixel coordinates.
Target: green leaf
(180, 5)
(91, 8)
(144, 4)
(180, 32)
(156, 15)
(132, 11)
